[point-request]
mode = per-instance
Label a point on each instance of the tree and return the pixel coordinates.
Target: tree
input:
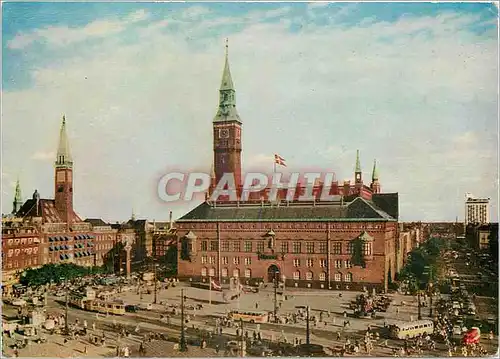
(55, 273)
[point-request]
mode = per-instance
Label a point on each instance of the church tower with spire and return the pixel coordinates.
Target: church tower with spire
(227, 130)
(375, 185)
(64, 176)
(18, 199)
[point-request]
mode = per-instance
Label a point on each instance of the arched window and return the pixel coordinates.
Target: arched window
(224, 272)
(309, 275)
(322, 276)
(211, 272)
(236, 272)
(204, 272)
(338, 277)
(296, 275)
(248, 273)
(348, 277)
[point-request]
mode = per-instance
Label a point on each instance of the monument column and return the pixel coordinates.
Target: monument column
(128, 247)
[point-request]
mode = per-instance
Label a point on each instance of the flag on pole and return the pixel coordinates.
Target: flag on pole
(215, 285)
(279, 160)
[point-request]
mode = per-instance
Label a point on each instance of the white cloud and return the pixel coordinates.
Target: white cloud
(44, 155)
(65, 35)
(136, 111)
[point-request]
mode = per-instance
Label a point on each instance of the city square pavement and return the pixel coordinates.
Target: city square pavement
(144, 323)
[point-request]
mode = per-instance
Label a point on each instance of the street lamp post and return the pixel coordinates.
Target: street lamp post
(308, 333)
(241, 338)
(276, 296)
(419, 306)
(156, 284)
(183, 346)
(66, 324)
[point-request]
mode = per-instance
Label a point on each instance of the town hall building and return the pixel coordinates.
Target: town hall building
(345, 244)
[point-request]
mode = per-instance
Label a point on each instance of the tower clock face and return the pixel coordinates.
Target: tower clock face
(224, 133)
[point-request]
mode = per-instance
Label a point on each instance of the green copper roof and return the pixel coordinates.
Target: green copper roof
(358, 164)
(63, 154)
(375, 171)
(227, 80)
(227, 100)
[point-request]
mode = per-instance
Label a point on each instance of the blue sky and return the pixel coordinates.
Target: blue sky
(413, 85)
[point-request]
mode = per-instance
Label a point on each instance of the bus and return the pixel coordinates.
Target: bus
(249, 316)
(101, 306)
(405, 330)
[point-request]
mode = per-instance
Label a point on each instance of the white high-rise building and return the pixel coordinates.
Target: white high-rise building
(477, 210)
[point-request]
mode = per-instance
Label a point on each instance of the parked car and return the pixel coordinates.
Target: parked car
(145, 306)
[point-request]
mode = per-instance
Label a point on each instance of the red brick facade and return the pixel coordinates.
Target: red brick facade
(314, 254)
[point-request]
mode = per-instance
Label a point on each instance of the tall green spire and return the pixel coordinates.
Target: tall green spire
(227, 100)
(358, 164)
(227, 80)
(375, 171)
(18, 198)
(63, 158)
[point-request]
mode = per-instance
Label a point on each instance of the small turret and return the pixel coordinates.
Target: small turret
(375, 185)
(358, 179)
(18, 199)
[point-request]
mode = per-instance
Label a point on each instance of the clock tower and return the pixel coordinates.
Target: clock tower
(227, 130)
(64, 176)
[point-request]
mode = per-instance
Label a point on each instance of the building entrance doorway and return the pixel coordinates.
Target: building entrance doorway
(272, 272)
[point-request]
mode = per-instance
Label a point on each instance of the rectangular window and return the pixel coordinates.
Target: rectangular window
(284, 247)
(338, 263)
(367, 249)
(323, 263)
(214, 246)
(296, 262)
(310, 247)
(347, 264)
(337, 248)
(236, 246)
(225, 260)
(236, 260)
(348, 277)
(248, 261)
(309, 262)
(322, 247)
(204, 246)
(248, 246)
(224, 246)
(211, 260)
(260, 246)
(296, 247)
(350, 248)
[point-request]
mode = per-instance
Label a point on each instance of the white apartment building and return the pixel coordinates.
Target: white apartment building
(477, 210)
